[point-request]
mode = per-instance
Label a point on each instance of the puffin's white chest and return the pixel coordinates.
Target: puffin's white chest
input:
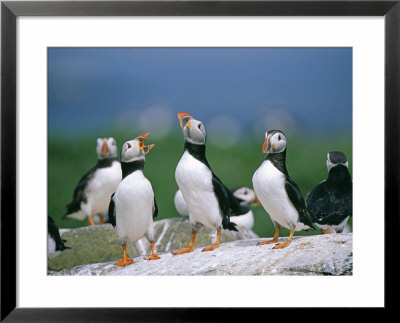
(195, 182)
(134, 200)
(269, 185)
(244, 220)
(101, 187)
(51, 246)
(180, 204)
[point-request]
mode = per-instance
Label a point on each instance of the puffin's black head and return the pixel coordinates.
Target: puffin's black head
(334, 158)
(275, 142)
(106, 148)
(135, 149)
(193, 130)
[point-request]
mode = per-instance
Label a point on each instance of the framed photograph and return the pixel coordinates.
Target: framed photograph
(357, 40)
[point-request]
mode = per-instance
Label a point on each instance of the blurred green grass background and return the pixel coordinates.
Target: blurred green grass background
(70, 157)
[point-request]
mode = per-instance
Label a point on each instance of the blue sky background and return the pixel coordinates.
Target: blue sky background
(235, 91)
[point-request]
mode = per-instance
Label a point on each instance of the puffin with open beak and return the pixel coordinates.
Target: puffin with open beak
(208, 200)
(93, 192)
(277, 192)
(133, 205)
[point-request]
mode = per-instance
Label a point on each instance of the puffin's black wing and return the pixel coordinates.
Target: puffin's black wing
(298, 202)
(155, 208)
(329, 203)
(228, 204)
(54, 232)
(111, 211)
(79, 195)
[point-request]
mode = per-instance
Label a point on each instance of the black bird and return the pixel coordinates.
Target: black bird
(330, 202)
(54, 241)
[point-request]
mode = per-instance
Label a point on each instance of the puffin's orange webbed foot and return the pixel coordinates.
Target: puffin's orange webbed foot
(266, 242)
(273, 240)
(215, 245)
(188, 249)
(153, 256)
(281, 245)
(286, 243)
(182, 251)
(327, 231)
(210, 248)
(124, 262)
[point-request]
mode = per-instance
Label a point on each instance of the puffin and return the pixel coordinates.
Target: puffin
(54, 241)
(208, 200)
(330, 202)
(92, 194)
(180, 204)
(133, 205)
(277, 192)
(246, 196)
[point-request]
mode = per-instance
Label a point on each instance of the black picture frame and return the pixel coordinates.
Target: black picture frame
(10, 10)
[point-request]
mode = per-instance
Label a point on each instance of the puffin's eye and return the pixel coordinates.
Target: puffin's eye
(199, 126)
(245, 193)
(279, 137)
(129, 145)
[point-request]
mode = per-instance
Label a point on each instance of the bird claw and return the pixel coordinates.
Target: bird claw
(153, 257)
(124, 262)
(182, 251)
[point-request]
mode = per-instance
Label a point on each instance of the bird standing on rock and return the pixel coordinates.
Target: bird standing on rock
(54, 240)
(92, 194)
(246, 196)
(330, 202)
(208, 200)
(277, 192)
(133, 205)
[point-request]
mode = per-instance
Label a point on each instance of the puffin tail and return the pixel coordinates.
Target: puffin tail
(79, 215)
(308, 221)
(227, 224)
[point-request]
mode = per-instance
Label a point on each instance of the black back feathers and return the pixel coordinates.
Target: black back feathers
(111, 211)
(330, 202)
(54, 232)
(292, 190)
(79, 194)
(228, 203)
(298, 202)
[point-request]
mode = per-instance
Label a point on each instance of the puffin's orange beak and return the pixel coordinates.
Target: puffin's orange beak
(265, 146)
(147, 149)
(184, 115)
(257, 202)
(105, 149)
(142, 138)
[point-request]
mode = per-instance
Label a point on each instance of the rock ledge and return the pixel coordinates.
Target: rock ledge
(329, 254)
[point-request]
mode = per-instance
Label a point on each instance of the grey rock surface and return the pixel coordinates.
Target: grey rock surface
(329, 254)
(101, 243)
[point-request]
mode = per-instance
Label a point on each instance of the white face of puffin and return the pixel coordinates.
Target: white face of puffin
(335, 158)
(275, 142)
(106, 148)
(135, 149)
(193, 130)
(246, 194)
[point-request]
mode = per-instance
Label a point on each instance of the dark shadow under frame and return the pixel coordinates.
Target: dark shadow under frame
(11, 10)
